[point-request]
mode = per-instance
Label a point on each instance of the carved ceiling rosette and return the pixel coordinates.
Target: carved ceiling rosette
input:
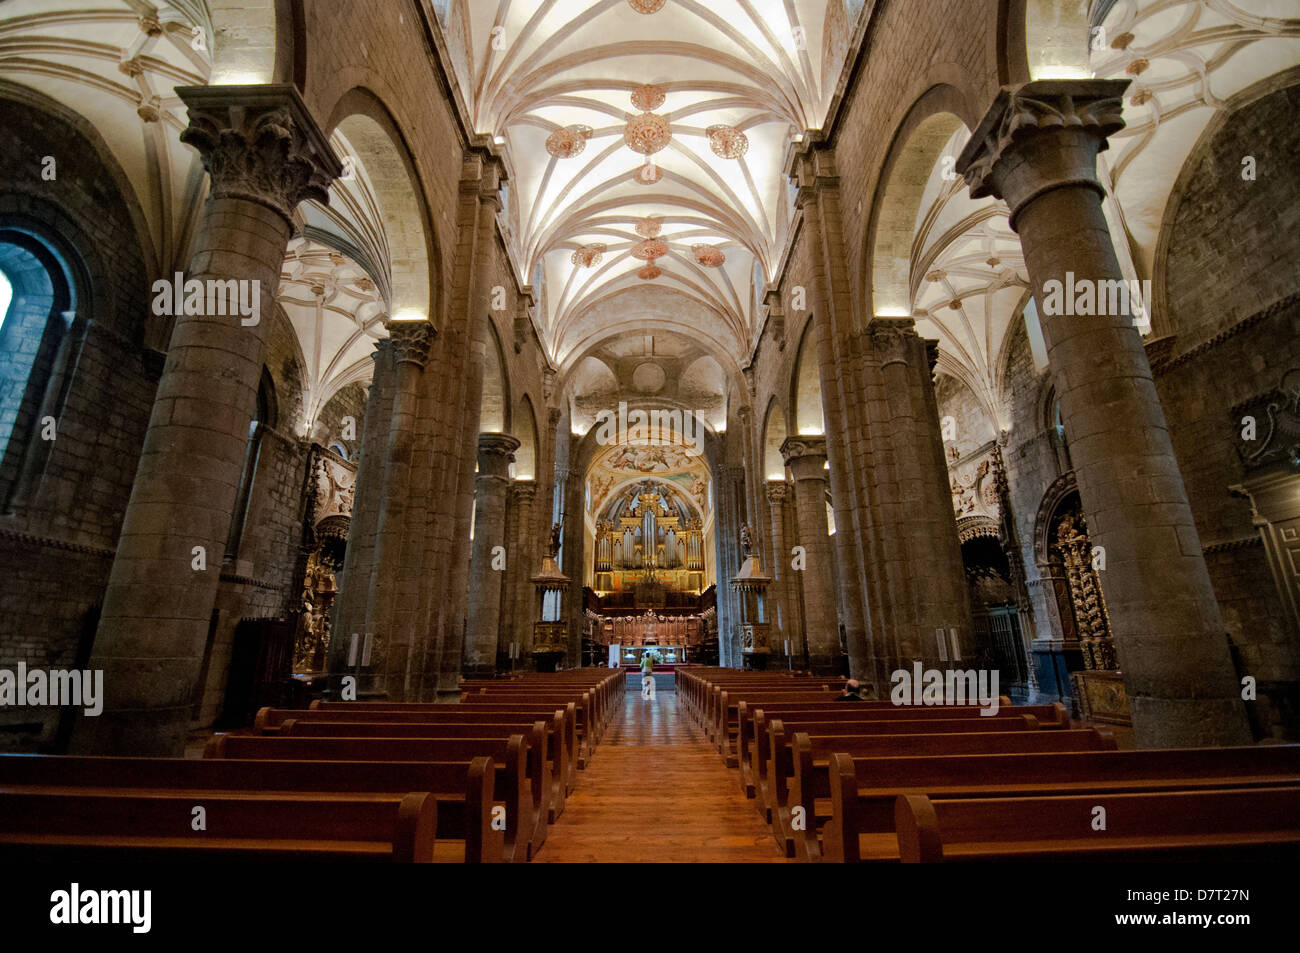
(727, 142)
(568, 141)
(588, 256)
(647, 133)
(649, 97)
(710, 256)
(649, 227)
(648, 174)
(649, 250)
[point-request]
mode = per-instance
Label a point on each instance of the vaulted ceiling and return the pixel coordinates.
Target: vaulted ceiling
(605, 114)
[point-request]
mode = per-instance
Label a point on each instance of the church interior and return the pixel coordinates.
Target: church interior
(439, 430)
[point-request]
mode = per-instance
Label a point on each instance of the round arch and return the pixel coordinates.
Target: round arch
(806, 386)
(494, 411)
(412, 246)
(774, 434)
(525, 429)
(918, 144)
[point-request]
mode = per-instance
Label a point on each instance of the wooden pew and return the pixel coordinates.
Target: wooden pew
(463, 791)
(588, 729)
(607, 687)
(45, 824)
(719, 717)
(864, 789)
(556, 768)
(268, 720)
(805, 785)
(764, 759)
(697, 686)
(524, 793)
(711, 707)
(750, 737)
(1256, 824)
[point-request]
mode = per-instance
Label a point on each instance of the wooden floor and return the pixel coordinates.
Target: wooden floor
(657, 792)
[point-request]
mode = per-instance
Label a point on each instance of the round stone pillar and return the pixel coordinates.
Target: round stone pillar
(806, 458)
(265, 155)
(519, 621)
(785, 598)
(1037, 150)
(395, 582)
(496, 451)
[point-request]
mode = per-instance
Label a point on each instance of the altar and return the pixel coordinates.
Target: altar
(631, 654)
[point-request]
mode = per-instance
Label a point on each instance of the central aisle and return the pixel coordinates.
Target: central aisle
(657, 792)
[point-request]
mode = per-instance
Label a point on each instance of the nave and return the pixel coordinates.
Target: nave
(658, 794)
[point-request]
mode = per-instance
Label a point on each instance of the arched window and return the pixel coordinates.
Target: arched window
(36, 308)
(1056, 427)
(6, 295)
(263, 418)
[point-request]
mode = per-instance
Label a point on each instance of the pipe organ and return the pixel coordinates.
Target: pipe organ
(648, 542)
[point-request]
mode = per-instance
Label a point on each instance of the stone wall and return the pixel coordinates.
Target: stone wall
(60, 526)
(1230, 245)
(1231, 292)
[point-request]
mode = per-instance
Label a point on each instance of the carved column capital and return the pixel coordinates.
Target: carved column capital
(260, 143)
(778, 492)
(891, 338)
(1042, 136)
(496, 451)
(805, 455)
(411, 341)
(523, 491)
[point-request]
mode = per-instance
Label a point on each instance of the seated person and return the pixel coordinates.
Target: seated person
(852, 692)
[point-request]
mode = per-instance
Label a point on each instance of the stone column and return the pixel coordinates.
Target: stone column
(571, 555)
(1037, 149)
(455, 452)
(358, 561)
(806, 458)
(813, 170)
(728, 499)
(393, 588)
(265, 155)
(496, 451)
(519, 620)
(929, 586)
(783, 593)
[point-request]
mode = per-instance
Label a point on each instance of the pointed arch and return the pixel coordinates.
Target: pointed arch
(806, 386)
(930, 124)
(774, 434)
(525, 429)
(494, 411)
(409, 242)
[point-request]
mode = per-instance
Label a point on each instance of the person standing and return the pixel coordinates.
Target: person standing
(647, 676)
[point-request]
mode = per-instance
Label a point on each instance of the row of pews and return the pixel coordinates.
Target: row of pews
(868, 781)
(475, 782)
